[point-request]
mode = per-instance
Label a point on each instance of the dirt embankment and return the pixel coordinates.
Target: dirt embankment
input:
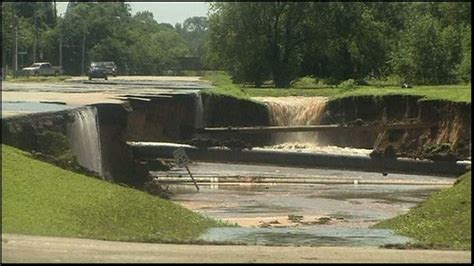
(448, 139)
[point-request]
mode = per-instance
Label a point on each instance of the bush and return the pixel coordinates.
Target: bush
(391, 80)
(349, 84)
(304, 82)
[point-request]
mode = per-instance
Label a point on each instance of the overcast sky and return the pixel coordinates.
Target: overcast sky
(163, 12)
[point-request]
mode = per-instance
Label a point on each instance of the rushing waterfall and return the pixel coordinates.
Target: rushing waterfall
(84, 137)
(295, 111)
(198, 119)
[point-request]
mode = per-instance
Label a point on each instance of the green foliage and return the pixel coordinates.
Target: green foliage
(443, 219)
(427, 52)
(41, 199)
(424, 43)
(348, 85)
(305, 82)
(194, 32)
(137, 44)
(257, 40)
(464, 68)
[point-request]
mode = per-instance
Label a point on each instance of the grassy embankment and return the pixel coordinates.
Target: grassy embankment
(223, 85)
(443, 220)
(41, 199)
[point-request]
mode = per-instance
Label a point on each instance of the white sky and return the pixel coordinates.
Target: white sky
(163, 12)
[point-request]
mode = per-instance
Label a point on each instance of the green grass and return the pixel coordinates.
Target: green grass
(223, 85)
(218, 78)
(42, 199)
(455, 93)
(444, 219)
(38, 79)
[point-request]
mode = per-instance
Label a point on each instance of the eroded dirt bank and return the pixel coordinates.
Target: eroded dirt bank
(449, 139)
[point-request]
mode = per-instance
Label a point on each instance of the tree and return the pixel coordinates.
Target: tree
(257, 39)
(464, 67)
(428, 51)
(194, 31)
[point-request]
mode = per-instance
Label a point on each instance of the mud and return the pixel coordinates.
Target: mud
(449, 140)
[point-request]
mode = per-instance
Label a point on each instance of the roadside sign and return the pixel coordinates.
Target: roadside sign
(22, 53)
(182, 160)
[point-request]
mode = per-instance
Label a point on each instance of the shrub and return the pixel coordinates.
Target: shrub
(304, 82)
(349, 84)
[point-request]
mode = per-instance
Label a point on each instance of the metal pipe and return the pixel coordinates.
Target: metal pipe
(309, 128)
(152, 151)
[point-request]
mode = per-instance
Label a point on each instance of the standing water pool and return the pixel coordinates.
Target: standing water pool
(300, 214)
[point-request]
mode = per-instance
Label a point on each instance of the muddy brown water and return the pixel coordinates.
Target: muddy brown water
(316, 214)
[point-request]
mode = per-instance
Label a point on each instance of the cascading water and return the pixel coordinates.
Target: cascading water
(84, 138)
(295, 111)
(198, 119)
(298, 111)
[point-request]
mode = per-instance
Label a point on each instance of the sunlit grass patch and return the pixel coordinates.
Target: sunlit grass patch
(42, 199)
(443, 219)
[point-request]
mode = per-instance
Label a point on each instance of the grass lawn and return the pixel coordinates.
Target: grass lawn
(223, 85)
(443, 219)
(42, 199)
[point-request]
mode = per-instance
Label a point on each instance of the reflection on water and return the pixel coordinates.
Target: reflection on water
(264, 212)
(305, 236)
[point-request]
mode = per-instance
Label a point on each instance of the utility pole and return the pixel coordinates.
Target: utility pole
(61, 50)
(36, 37)
(59, 24)
(15, 55)
(83, 49)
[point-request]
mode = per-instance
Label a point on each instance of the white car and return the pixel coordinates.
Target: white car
(43, 69)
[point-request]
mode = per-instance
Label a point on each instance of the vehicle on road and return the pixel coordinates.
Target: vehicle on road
(98, 70)
(43, 69)
(111, 68)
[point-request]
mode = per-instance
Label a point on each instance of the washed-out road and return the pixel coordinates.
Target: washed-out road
(39, 249)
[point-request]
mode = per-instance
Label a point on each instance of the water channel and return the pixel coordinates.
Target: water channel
(319, 211)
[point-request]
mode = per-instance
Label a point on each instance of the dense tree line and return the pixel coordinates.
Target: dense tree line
(109, 32)
(424, 43)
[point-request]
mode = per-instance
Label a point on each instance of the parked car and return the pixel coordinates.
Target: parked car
(97, 70)
(111, 68)
(43, 69)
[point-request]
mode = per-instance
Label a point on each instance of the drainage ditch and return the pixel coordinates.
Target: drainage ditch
(279, 205)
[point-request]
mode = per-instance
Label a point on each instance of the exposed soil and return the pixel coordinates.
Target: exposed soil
(448, 140)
